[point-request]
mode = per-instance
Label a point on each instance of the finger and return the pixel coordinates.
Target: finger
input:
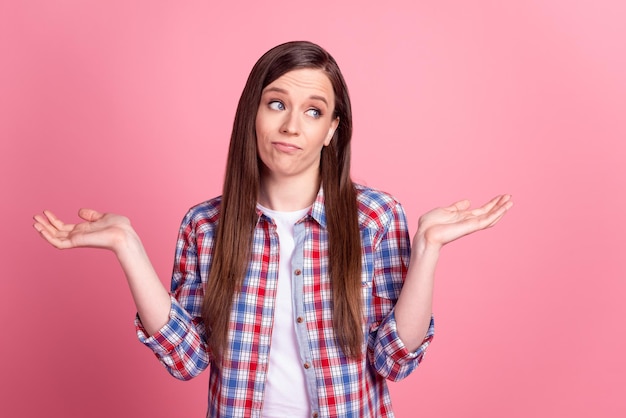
(503, 204)
(90, 215)
(51, 238)
(490, 219)
(489, 205)
(43, 224)
(494, 220)
(38, 226)
(493, 203)
(56, 222)
(41, 220)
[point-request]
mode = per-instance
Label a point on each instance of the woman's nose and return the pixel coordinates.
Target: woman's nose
(291, 124)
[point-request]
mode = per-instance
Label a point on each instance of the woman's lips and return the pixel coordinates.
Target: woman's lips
(286, 147)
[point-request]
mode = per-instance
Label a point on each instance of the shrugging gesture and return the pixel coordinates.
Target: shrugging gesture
(292, 133)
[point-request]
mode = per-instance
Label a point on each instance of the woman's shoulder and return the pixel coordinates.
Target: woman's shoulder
(203, 215)
(376, 206)
(369, 197)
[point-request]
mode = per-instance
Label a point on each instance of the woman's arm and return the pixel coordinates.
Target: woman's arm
(114, 233)
(436, 228)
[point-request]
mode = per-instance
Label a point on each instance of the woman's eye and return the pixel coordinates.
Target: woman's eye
(315, 113)
(276, 105)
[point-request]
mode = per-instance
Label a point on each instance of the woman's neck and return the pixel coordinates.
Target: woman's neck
(288, 194)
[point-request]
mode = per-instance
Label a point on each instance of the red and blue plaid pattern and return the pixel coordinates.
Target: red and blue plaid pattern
(340, 386)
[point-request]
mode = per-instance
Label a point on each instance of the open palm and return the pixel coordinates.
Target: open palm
(443, 225)
(99, 230)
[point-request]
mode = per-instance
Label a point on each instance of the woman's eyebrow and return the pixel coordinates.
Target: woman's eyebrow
(283, 91)
(320, 98)
(276, 89)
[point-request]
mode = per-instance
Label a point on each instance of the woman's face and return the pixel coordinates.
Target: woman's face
(294, 121)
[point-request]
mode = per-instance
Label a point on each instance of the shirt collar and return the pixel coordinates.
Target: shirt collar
(317, 211)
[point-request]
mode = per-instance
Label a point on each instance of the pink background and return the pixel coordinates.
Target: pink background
(126, 106)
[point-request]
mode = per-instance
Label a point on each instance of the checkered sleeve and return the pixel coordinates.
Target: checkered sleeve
(389, 356)
(181, 344)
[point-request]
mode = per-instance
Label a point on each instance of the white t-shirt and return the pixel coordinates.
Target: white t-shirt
(286, 394)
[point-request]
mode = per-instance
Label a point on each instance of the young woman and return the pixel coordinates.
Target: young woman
(296, 286)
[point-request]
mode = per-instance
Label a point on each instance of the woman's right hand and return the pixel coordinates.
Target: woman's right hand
(100, 230)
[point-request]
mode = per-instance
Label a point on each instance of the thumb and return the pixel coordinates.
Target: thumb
(460, 205)
(90, 215)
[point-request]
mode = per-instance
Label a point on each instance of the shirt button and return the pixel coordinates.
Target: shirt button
(299, 320)
(297, 272)
(307, 365)
(315, 415)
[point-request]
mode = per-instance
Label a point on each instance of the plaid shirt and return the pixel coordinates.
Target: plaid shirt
(338, 386)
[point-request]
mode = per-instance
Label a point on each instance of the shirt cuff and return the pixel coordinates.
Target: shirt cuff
(392, 356)
(165, 340)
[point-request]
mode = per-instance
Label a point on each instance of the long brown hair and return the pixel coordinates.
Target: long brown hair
(238, 214)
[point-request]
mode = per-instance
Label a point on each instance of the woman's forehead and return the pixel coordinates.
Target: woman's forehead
(304, 80)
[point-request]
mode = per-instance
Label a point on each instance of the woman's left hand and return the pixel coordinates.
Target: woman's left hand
(443, 225)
